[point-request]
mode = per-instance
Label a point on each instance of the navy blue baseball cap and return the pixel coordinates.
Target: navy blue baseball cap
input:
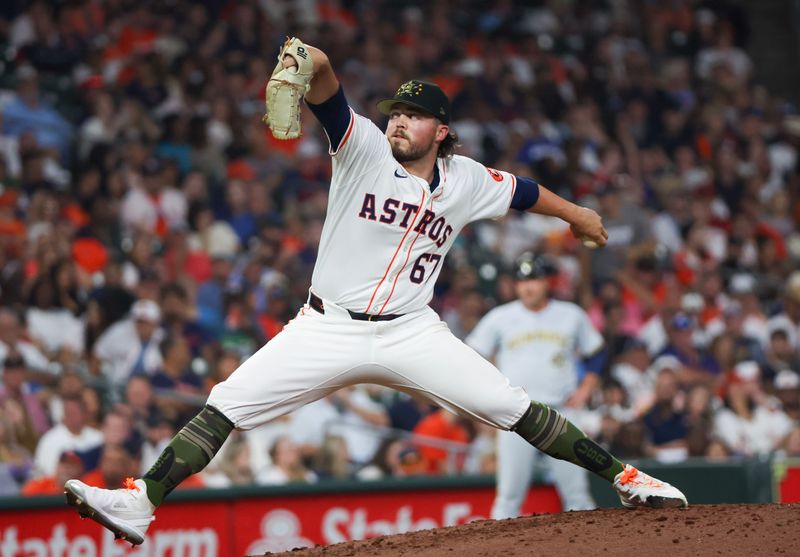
(423, 95)
(530, 266)
(681, 322)
(633, 343)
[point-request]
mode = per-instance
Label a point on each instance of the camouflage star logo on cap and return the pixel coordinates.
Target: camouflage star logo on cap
(409, 88)
(423, 95)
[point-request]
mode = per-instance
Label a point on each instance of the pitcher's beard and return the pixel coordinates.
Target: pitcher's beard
(411, 153)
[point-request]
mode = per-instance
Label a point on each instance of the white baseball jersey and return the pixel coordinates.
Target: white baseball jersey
(537, 349)
(385, 233)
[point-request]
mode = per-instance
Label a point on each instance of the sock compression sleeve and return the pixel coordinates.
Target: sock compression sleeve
(550, 432)
(189, 452)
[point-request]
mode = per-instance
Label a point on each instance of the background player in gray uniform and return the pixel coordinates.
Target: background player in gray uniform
(535, 342)
(397, 201)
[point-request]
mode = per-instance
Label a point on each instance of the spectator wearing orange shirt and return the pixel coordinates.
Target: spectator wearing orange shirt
(444, 426)
(116, 464)
(274, 317)
(69, 466)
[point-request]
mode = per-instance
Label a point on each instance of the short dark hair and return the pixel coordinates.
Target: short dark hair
(780, 334)
(173, 289)
(14, 360)
(447, 147)
(169, 342)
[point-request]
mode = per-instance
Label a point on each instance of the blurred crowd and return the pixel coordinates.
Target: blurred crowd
(153, 234)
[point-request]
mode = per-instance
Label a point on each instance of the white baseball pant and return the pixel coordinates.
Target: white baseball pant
(316, 354)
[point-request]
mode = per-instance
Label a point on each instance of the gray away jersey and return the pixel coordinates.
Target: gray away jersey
(538, 350)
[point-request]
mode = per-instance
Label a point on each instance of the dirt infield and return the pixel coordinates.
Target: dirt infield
(746, 530)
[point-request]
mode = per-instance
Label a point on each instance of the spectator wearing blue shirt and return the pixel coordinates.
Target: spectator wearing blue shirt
(241, 218)
(175, 383)
(698, 363)
(176, 373)
(27, 113)
(665, 423)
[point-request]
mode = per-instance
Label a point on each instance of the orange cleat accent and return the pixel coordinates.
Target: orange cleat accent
(628, 475)
(637, 489)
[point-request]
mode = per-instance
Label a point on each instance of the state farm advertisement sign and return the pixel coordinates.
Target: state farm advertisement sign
(185, 529)
(252, 526)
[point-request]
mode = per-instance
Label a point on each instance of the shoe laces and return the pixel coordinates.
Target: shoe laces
(632, 476)
(130, 485)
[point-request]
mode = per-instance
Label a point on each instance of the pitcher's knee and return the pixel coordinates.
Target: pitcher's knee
(505, 413)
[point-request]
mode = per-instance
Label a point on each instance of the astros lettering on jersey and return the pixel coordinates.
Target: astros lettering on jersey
(386, 233)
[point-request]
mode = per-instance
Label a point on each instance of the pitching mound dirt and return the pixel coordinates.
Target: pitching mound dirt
(701, 530)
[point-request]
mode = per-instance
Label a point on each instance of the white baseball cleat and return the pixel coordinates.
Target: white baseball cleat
(637, 489)
(126, 512)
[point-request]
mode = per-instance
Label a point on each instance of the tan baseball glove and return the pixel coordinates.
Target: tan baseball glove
(286, 88)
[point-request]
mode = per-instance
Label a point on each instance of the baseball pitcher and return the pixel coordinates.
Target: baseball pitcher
(536, 341)
(397, 202)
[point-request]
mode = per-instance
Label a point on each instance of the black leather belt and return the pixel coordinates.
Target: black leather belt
(316, 304)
